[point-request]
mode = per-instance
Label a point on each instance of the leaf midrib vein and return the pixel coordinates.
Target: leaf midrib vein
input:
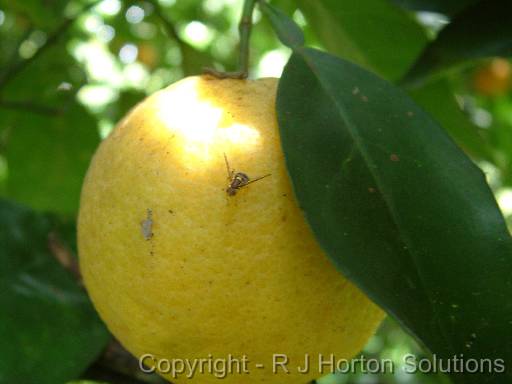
(357, 140)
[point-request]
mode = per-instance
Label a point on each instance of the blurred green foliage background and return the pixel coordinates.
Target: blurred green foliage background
(69, 70)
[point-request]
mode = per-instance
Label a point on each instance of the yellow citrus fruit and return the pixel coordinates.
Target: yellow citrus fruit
(148, 54)
(494, 79)
(180, 269)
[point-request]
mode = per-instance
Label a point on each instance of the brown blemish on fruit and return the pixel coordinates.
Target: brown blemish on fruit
(147, 225)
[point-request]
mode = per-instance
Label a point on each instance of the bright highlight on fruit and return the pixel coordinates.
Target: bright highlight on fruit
(179, 268)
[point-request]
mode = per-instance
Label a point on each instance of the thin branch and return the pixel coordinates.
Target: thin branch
(31, 107)
(245, 29)
(168, 24)
(119, 359)
(12, 61)
(64, 256)
(99, 372)
(53, 38)
(117, 365)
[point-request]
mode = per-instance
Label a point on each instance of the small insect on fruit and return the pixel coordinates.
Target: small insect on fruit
(238, 180)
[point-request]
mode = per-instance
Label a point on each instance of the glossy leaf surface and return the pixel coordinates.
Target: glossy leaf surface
(398, 207)
(49, 330)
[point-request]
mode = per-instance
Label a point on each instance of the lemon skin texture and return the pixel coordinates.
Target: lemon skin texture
(179, 269)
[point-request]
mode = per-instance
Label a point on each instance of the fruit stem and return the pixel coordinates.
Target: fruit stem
(245, 29)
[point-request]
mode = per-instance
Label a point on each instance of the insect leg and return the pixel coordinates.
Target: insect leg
(257, 179)
(230, 171)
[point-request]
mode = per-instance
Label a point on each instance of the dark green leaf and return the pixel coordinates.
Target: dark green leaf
(437, 98)
(480, 31)
(399, 208)
(50, 332)
(372, 33)
(448, 7)
(288, 32)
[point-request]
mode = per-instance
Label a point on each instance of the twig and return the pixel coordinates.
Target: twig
(168, 24)
(53, 38)
(15, 53)
(245, 29)
(99, 372)
(31, 107)
(64, 256)
(117, 365)
(116, 356)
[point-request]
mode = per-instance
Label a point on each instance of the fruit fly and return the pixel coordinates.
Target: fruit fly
(238, 180)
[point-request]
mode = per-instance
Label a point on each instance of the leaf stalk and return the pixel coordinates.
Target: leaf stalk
(245, 29)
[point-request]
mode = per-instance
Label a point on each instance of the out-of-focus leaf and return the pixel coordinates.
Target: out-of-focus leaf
(48, 157)
(49, 330)
(51, 138)
(399, 208)
(437, 98)
(288, 32)
(126, 101)
(480, 31)
(43, 80)
(193, 60)
(500, 135)
(447, 7)
(372, 33)
(44, 14)
(13, 30)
